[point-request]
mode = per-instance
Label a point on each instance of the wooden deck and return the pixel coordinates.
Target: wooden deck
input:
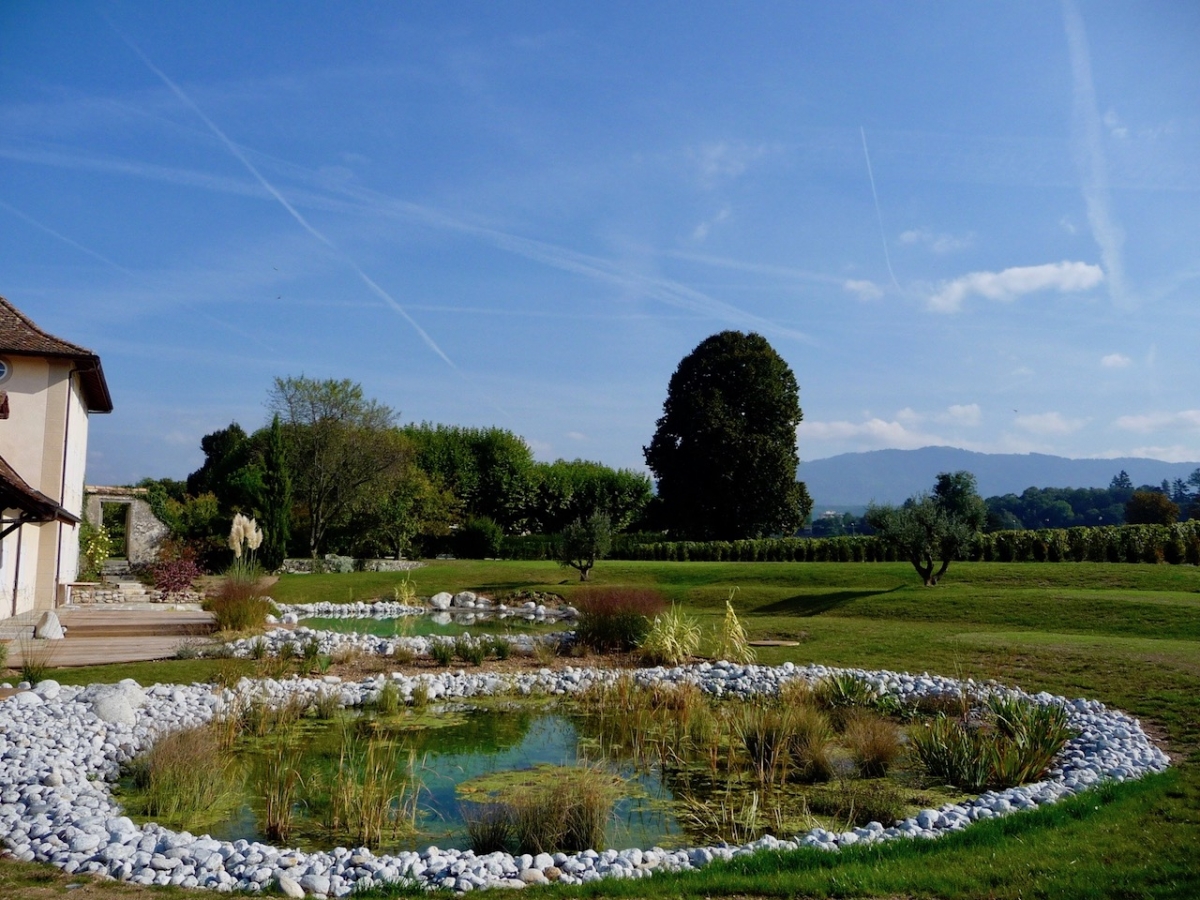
(103, 635)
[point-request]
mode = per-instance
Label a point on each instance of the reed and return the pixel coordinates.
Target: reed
(471, 650)
(420, 694)
(489, 827)
(765, 733)
(238, 605)
(732, 642)
(326, 704)
(279, 781)
(570, 813)
(857, 803)
(615, 620)
(404, 655)
(185, 774)
(844, 691)
(734, 817)
(374, 790)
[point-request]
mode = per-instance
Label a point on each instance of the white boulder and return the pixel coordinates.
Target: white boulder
(48, 628)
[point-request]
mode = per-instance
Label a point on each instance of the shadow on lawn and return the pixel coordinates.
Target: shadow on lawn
(815, 604)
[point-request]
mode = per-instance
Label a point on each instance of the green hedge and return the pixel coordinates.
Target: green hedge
(1173, 544)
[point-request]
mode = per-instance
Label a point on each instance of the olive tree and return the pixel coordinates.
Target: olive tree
(932, 528)
(583, 542)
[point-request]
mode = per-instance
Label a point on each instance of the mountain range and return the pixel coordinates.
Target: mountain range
(892, 476)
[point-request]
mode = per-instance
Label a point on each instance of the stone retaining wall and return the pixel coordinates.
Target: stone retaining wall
(332, 563)
(116, 596)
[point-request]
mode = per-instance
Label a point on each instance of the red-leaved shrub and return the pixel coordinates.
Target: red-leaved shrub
(615, 620)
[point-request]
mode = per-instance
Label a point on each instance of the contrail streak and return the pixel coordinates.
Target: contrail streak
(1089, 155)
(132, 274)
(887, 257)
(270, 188)
(66, 240)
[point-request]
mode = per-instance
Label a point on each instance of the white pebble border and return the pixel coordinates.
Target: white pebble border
(329, 643)
(60, 747)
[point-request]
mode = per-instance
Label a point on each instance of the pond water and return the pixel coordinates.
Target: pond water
(449, 758)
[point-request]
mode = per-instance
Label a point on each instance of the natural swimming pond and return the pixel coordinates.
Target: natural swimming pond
(618, 766)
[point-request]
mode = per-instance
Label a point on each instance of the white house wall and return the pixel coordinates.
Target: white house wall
(45, 440)
(72, 499)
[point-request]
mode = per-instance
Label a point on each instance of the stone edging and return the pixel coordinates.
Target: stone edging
(61, 746)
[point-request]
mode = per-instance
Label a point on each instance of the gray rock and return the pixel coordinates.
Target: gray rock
(289, 887)
(48, 627)
(464, 599)
(441, 600)
(111, 706)
(315, 884)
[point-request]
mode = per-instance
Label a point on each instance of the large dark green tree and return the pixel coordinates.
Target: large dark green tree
(724, 451)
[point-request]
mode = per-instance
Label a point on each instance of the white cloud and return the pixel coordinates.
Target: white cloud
(875, 433)
(1161, 421)
(700, 232)
(723, 160)
(957, 414)
(864, 290)
(1064, 277)
(1116, 361)
(1049, 423)
(1173, 453)
(1114, 125)
(938, 243)
(965, 414)
(576, 435)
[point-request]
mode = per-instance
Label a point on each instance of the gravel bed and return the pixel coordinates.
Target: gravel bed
(61, 747)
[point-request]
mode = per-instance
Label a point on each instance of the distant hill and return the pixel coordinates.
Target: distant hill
(891, 476)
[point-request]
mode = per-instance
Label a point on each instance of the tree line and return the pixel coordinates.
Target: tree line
(334, 472)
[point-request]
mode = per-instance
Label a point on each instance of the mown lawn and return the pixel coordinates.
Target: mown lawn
(1127, 635)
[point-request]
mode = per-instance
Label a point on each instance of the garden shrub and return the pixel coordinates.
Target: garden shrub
(615, 620)
(480, 538)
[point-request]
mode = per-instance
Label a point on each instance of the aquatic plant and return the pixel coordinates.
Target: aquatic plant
(278, 781)
(183, 775)
(615, 620)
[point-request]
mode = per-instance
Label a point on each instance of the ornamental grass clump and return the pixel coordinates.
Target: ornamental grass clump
(673, 639)
(238, 605)
(810, 745)
(1014, 742)
(732, 643)
(874, 743)
(615, 620)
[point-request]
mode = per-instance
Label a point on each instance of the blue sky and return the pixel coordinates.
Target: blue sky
(960, 223)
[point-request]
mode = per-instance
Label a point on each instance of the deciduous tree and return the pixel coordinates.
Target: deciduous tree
(339, 443)
(724, 451)
(935, 527)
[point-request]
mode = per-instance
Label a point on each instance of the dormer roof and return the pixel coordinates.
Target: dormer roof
(19, 336)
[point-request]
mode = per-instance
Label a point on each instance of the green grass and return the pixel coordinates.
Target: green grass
(1128, 635)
